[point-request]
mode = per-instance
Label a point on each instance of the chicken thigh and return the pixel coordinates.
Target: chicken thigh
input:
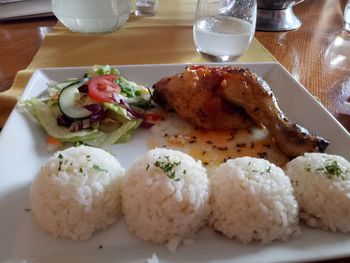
(230, 98)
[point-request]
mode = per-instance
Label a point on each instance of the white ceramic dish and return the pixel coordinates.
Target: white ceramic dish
(23, 150)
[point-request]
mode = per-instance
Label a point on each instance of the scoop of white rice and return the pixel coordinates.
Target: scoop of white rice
(77, 192)
(165, 197)
(322, 188)
(252, 199)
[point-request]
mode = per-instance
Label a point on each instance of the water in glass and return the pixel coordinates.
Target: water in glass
(226, 33)
(347, 16)
(92, 16)
(146, 7)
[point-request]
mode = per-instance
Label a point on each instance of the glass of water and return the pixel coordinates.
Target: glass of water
(223, 29)
(146, 7)
(347, 16)
(92, 16)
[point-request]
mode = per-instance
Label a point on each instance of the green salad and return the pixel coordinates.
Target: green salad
(98, 109)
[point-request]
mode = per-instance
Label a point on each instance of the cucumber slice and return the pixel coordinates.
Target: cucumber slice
(68, 102)
(66, 83)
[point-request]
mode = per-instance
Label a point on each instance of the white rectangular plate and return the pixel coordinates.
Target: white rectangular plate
(23, 151)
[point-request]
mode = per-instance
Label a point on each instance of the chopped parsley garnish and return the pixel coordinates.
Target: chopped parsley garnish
(79, 143)
(81, 170)
(308, 169)
(268, 170)
(99, 169)
(168, 167)
(333, 170)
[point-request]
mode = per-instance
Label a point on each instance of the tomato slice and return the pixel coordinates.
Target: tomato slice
(110, 77)
(101, 88)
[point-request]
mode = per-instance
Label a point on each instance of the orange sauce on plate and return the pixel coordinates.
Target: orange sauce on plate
(215, 147)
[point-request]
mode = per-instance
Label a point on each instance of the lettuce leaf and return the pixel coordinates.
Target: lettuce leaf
(118, 112)
(122, 134)
(44, 117)
(105, 70)
(41, 112)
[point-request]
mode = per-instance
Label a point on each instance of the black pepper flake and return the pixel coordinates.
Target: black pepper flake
(238, 150)
(165, 135)
(230, 139)
(232, 136)
(209, 142)
(60, 162)
(193, 137)
(27, 209)
(204, 152)
(100, 247)
(240, 145)
(252, 145)
(222, 148)
(262, 155)
(205, 163)
(192, 141)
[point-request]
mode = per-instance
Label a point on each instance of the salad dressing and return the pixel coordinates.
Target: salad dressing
(215, 147)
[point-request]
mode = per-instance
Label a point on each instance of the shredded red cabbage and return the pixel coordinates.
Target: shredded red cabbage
(97, 112)
(83, 89)
(136, 114)
(64, 121)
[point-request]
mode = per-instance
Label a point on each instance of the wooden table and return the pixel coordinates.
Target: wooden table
(310, 54)
(19, 41)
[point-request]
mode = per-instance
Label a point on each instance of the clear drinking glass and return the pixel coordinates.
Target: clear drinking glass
(146, 7)
(347, 16)
(223, 29)
(92, 16)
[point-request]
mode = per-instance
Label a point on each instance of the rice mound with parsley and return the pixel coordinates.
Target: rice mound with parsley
(165, 197)
(322, 187)
(77, 192)
(252, 199)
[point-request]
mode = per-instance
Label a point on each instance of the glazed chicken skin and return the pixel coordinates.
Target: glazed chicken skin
(195, 96)
(213, 98)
